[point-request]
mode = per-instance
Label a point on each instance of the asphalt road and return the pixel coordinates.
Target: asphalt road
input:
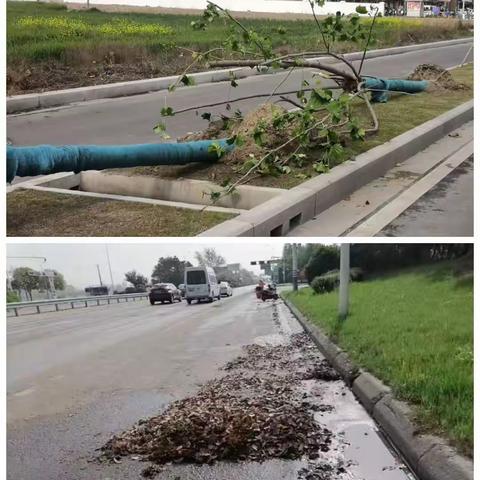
(76, 377)
(446, 210)
(130, 120)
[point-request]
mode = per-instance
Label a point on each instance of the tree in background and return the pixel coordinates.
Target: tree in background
(209, 258)
(58, 281)
(136, 279)
(169, 270)
(376, 258)
(323, 258)
(283, 270)
(25, 278)
(373, 258)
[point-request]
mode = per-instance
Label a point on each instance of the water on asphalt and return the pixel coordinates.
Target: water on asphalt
(73, 399)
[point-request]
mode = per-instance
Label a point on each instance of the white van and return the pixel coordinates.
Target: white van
(201, 284)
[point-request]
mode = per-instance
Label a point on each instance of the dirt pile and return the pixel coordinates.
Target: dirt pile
(262, 119)
(254, 413)
(437, 76)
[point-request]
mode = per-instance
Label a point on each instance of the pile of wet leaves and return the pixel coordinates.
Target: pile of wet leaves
(438, 77)
(321, 471)
(253, 413)
(300, 358)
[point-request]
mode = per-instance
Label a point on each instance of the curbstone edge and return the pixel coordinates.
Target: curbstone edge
(369, 390)
(443, 463)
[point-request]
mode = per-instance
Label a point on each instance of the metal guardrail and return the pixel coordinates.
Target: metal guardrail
(71, 303)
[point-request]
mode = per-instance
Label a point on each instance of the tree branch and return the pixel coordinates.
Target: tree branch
(368, 42)
(317, 64)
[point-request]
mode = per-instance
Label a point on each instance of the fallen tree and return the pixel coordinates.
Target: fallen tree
(323, 114)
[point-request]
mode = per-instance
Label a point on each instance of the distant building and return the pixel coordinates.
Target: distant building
(258, 6)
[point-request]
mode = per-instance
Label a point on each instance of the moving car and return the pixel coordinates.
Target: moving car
(225, 289)
(181, 287)
(201, 284)
(164, 292)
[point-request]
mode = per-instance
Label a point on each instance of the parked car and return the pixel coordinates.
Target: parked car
(164, 292)
(225, 289)
(181, 287)
(201, 284)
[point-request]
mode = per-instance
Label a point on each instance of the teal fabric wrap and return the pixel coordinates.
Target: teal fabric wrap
(46, 159)
(407, 86)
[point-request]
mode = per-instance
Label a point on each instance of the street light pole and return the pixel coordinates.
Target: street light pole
(294, 267)
(344, 280)
(109, 267)
(99, 276)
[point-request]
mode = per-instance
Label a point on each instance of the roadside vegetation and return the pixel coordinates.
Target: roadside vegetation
(38, 214)
(412, 328)
(50, 47)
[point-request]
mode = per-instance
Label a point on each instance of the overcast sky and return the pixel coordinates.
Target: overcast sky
(78, 262)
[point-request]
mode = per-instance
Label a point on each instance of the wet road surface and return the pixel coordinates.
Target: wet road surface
(74, 378)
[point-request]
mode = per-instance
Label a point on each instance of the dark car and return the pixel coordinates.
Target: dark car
(164, 292)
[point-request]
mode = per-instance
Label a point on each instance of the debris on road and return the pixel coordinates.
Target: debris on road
(253, 413)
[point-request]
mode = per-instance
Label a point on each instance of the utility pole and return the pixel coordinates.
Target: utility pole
(109, 268)
(294, 267)
(344, 280)
(99, 276)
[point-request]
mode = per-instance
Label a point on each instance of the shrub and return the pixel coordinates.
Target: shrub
(325, 283)
(12, 297)
(356, 274)
(329, 281)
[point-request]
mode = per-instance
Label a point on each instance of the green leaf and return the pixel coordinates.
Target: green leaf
(286, 169)
(187, 81)
(258, 137)
(172, 87)
(161, 129)
(167, 112)
(319, 97)
(320, 167)
(215, 147)
(225, 183)
(362, 10)
(302, 176)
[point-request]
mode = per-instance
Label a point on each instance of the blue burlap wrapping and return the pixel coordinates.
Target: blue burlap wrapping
(46, 159)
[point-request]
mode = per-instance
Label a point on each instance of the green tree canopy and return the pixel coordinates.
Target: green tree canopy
(169, 270)
(25, 278)
(136, 279)
(209, 258)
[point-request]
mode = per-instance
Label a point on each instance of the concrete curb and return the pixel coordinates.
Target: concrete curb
(56, 98)
(428, 456)
(278, 216)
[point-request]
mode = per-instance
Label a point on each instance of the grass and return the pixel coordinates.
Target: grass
(46, 41)
(414, 330)
(399, 114)
(37, 213)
